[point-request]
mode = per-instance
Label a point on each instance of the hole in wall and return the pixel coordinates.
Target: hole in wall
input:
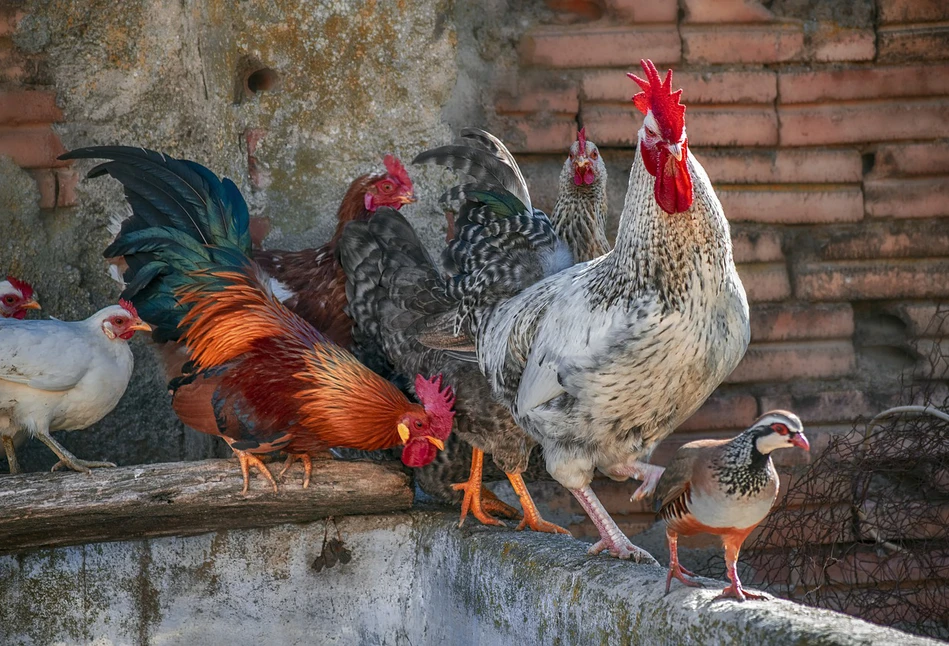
(262, 80)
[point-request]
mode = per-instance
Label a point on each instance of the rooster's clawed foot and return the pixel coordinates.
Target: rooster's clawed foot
(623, 549)
(83, 466)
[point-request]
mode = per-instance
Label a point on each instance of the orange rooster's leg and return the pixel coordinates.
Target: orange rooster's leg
(249, 459)
(532, 517)
(11, 455)
(676, 571)
(494, 505)
(307, 466)
(735, 590)
(473, 489)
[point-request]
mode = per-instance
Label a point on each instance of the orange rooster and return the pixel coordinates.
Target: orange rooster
(259, 376)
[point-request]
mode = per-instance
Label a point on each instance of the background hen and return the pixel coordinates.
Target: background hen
(311, 281)
(16, 298)
(63, 376)
(260, 376)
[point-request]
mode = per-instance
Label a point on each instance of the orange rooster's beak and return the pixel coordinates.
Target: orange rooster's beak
(437, 442)
(404, 433)
(141, 326)
(31, 305)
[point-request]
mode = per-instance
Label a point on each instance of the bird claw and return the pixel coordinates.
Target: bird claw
(649, 475)
(472, 502)
(543, 526)
(740, 594)
(623, 550)
(82, 466)
(683, 575)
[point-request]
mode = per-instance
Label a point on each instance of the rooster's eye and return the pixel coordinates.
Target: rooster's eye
(594, 155)
(118, 321)
(387, 187)
(418, 424)
(9, 300)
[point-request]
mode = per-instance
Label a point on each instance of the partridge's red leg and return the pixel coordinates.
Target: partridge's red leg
(675, 570)
(735, 590)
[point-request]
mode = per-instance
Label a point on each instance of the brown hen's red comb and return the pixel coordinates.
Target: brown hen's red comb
(22, 286)
(395, 168)
(582, 140)
(128, 307)
(658, 96)
(438, 404)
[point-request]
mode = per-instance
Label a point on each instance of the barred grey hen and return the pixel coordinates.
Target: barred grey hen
(579, 218)
(401, 302)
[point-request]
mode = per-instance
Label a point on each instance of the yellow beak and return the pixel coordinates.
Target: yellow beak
(404, 433)
(31, 305)
(437, 442)
(676, 150)
(141, 326)
(406, 199)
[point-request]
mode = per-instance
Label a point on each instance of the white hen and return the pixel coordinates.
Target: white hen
(59, 375)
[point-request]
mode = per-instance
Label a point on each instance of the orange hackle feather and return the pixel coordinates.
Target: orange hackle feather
(288, 372)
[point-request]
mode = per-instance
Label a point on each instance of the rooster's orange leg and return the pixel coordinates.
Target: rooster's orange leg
(532, 517)
(249, 459)
(473, 489)
(494, 505)
(11, 455)
(307, 466)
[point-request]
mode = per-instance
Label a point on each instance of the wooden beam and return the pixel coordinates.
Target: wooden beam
(182, 498)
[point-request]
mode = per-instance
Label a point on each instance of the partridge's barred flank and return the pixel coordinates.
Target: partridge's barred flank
(725, 488)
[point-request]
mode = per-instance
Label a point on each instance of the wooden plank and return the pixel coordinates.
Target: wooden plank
(183, 498)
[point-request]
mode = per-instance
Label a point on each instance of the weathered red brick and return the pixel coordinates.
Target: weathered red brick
(825, 406)
(32, 146)
(933, 361)
(924, 319)
(531, 99)
(870, 280)
(878, 82)
(756, 246)
(912, 43)
(752, 86)
(732, 11)
(834, 44)
(928, 158)
(798, 321)
(640, 11)
(540, 133)
(587, 9)
(723, 412)
(781, 166)
(707, 126)
(912, 10)
(13, 65)
(907, 198)
(862, 122)
(28, 106)
(895, 239)
(787, 204)
(772, 43)
(765, 282)
(600, 46)
(783, 362)
(57, 186)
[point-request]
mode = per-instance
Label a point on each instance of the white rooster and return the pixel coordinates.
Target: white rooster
(599, 361)
(59, 376)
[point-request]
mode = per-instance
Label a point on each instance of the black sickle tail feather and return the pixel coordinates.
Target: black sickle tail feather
(502, 245)
(184, 218)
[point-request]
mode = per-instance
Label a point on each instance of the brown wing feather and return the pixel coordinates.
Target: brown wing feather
(674, 488)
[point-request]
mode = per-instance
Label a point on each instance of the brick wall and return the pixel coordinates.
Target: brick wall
(27, 111)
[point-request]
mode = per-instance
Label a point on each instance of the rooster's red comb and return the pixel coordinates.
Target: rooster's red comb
(22, 286)
(658, 96)
(395, 168)
(128, 307)
(438, 403)
(582, 139)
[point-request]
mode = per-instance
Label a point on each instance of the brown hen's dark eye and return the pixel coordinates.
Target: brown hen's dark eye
(418, 424)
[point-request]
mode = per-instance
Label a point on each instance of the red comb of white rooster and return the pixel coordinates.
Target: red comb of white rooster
(128, 307)
(657, 95)
(22, 286)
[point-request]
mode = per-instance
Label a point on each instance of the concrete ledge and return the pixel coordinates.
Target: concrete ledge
(414, 579)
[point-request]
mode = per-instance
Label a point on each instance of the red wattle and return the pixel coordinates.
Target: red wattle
(674, 184)
(650, 158)
(588, 177)
(20, 315)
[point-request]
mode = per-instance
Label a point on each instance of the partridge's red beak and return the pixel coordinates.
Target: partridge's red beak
(800, 441)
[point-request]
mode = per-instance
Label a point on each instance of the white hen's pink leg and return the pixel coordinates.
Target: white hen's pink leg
(611, 538)
(649, 474)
